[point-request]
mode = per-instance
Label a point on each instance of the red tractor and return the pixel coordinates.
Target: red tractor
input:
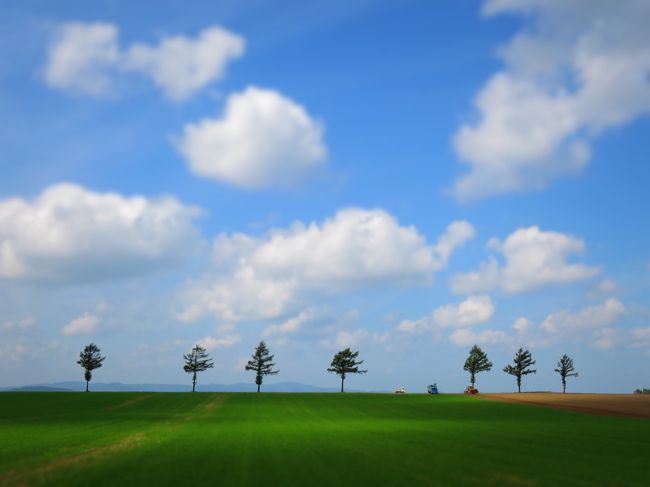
(471, 390)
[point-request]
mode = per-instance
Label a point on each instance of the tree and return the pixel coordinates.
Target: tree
(261, 363)
(197, 361)
(522, 366)
(476, 362)
(90, 359)
(566, 369)
(344, 362)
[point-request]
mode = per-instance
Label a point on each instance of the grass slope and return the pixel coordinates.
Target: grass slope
(310, 439)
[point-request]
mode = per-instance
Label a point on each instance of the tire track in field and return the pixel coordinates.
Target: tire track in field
(37, 475)
(130, 402)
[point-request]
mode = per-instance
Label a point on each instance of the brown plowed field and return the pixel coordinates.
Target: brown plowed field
(628, 405)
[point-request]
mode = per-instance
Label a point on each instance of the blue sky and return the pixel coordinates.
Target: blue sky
(407, 179)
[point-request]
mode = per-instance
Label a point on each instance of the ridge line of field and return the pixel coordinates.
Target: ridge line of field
(26, 476)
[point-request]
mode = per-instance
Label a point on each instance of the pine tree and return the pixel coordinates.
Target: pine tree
(566, 369)
(261, 363)
(90, 359)
(197, 361)
(522, 366)
(344, 362)
(476, 362)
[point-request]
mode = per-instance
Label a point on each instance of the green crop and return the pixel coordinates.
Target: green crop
(310, 439)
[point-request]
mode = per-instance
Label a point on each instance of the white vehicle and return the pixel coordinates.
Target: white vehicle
(400, 390)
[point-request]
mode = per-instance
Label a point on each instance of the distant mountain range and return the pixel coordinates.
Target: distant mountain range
(119, 387)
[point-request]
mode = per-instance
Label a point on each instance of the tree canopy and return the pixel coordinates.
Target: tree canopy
(566, 369)
(476, 362)
(197, 361)
(90, 358)
(521, 366)
(345, 362)
(262, 363)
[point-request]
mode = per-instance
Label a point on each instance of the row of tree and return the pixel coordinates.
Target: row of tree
(344, 362)
(478, 361)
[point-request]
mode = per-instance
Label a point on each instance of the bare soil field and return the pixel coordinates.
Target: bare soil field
(628, 405)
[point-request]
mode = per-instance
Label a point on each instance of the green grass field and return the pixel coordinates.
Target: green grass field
(310, 439)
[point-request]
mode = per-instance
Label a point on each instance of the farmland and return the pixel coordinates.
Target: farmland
(311, 439)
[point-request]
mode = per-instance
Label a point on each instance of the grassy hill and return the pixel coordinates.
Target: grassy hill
(310, 439)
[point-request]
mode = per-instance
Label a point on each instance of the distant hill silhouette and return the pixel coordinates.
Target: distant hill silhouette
(39, 389)
(120, 387)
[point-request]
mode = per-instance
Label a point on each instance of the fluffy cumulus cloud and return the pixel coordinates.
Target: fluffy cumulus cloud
(289, 326)
(577, 68)
(592, 325)
(592, 317)
(533, 259)
(226, 341)
(83, 325)
(472, 311)
(71, 234)
(263, 139)
(180, 66)
(86, 58)
(81, 57)
(522, 325)
(261, 277)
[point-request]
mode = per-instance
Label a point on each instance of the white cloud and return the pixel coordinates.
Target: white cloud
(292, 325)
(534, 259)
(523, 325)
(344, 339)
(12, 352)
(22, 325)
(456, 234)
(605, 339)
(81, 57)
(472, 311)
(591, 325)
(264, 139)
(228, 297)
(591, 317)
(71, 234)
(83, 325)
(466, 337)
(355, 249)
(86, 58)
(211, 343)
(180, 66)
(575, 69)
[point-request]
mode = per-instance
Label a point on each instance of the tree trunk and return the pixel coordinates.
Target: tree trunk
(87, 385)
(194, 382)
(342, 379)
(563, 385)
(473, 380)
(519, 384)
(258, 387)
